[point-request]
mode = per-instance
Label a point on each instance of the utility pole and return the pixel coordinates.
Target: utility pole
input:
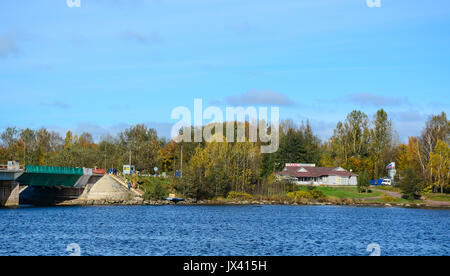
(129, 144)
(181, 160)
(105, 157)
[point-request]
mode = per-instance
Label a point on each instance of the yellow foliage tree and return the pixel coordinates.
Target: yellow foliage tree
(439, 165)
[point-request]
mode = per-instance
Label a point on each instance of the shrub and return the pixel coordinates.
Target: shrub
(155, 188)
(428, 189)
(300, 194)
(317, 194)
(389, 199)
(310, 187)
(239, 196)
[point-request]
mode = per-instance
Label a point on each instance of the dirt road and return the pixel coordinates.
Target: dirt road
(434, 203)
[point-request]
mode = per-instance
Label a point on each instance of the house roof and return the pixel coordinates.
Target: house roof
(303, 171)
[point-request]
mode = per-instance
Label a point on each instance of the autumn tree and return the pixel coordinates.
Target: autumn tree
(436, 128)
(439, 166)
(142, 145)
(28, 140)
(349, 144)
(69, 140)
(9, 140)
(168, 156)
(381, 143)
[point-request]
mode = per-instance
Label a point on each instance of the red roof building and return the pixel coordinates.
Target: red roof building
(304, 174)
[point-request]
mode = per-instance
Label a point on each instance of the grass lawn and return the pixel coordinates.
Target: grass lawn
(150, 181)
(397, 200)
(343, 192)
(388, 188)
(438, 197)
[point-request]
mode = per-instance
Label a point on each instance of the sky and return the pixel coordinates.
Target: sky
(110, 64)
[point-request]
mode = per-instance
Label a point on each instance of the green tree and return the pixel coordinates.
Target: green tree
(349, 145)
(297, 145)
(28, 138)
(9, 140)
(381, 143)
(143, 145)
(410, 185)
(363, 183)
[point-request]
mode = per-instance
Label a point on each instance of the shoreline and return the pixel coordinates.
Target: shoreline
(141, 202)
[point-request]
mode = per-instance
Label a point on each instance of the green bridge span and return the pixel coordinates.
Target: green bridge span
(44, 183)
(45, 176)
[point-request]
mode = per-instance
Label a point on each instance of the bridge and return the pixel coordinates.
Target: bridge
(44, 181)
(9, 187)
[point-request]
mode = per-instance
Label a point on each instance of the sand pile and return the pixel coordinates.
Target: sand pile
(107, 189)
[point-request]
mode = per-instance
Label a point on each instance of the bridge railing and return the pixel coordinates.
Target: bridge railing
(122, 181)
(7, 168)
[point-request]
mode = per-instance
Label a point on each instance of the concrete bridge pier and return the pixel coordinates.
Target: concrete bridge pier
(9, 193)
(9, 188)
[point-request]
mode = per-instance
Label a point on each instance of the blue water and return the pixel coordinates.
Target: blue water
(224, 230)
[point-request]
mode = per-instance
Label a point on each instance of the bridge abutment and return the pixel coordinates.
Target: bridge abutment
(9, 193)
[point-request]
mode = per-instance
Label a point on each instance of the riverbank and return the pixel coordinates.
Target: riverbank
(111, 190)
(218, 202)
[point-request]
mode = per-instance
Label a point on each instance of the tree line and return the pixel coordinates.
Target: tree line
(359, 143)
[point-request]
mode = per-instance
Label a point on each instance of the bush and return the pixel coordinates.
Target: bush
(317, 194)
(310, 187)
(239, 196)
(155, 189)
(300, 194)
(389, 199)
(428, 189)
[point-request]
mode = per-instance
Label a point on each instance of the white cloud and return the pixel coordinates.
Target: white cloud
(408, 116)
(376, 100)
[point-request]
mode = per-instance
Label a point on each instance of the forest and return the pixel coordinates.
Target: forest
(211, 169)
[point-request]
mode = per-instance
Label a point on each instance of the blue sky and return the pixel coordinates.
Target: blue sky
(111, 64)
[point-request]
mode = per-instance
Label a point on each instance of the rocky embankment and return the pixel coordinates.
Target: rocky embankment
(140, 201)
(109, 191)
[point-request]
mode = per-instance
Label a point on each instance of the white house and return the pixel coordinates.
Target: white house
(306, 174)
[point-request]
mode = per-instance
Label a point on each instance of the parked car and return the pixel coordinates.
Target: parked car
(381, 182)
(386, 182)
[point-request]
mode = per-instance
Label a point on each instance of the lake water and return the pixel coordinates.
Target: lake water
(224, 230)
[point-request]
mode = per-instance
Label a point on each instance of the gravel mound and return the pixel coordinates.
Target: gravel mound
(107, 189)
